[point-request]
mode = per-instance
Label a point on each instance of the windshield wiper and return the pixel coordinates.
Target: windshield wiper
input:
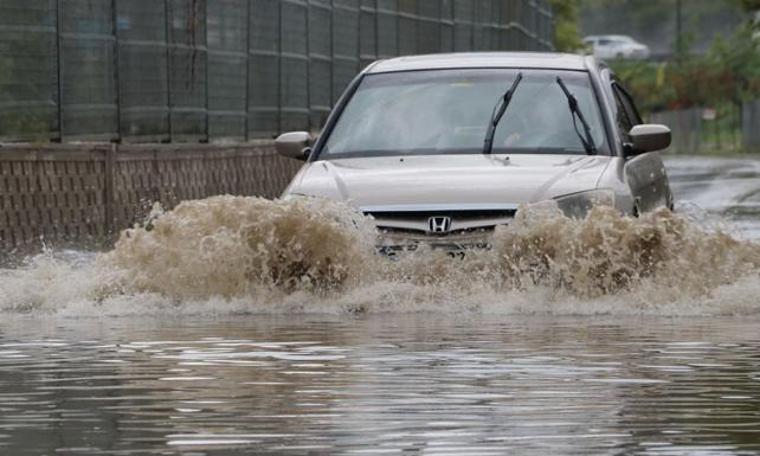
(498, 113)
(588, 140)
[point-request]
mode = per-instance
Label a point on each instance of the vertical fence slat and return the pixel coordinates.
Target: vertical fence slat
(109, 196)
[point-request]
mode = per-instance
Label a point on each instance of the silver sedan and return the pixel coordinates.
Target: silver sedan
(442, 148)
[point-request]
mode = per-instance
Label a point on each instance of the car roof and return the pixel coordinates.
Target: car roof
(528, 60)
(609, 37)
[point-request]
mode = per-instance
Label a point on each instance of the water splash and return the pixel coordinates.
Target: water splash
(250, 255)
(230, 246)
(606, 253)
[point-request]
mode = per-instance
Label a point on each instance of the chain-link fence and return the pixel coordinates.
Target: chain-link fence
(201, 70)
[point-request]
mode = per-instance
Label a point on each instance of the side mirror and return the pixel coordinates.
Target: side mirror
(649, 137)
(294, 145)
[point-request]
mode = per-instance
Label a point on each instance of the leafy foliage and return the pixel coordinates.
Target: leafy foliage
(567, 36)
(730, 71)
(750, 5)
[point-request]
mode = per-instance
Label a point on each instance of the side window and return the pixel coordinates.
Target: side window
(627, 114)
(623, 120)
(630, 106)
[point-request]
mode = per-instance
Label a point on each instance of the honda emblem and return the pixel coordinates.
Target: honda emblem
(439, 224)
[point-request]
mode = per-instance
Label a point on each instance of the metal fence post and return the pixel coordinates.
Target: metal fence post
(332, 52)
(206, 82)
(59, 62)
(358, 37)
(247, 70)
(279, 67)
(398, 28)
(167, 40)
(116, 60)
(308, 68)
(109, 196)
(377, 31)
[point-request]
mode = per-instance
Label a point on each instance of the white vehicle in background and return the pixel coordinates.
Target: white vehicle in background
(616, 47)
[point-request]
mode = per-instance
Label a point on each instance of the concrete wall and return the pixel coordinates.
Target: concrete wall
(84, 193)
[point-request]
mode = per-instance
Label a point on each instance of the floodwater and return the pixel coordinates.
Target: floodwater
(663, 360)
(726, 187)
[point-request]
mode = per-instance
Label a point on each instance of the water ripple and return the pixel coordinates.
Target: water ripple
(401, 385)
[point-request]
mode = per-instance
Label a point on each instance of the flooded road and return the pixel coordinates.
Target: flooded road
(382, 385)
(728, 187)
(387, 370)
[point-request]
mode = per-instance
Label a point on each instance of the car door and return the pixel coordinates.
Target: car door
(603, 48)
(645, 173)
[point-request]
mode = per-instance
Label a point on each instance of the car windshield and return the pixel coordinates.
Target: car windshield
(448, 111)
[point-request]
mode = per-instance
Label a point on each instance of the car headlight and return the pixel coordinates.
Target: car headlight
(577, 205)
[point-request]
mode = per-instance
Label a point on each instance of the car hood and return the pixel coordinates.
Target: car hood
(448, 180)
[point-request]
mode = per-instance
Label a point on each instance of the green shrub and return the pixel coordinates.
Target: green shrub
(729, 72)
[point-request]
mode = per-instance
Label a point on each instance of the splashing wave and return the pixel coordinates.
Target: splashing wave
(230, 254)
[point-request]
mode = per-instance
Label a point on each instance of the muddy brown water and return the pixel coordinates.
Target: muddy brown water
(411, 369)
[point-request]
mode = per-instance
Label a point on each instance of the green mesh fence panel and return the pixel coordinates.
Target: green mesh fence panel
(463, 28)
(387, 28)
(407, 27)
(524, 20)
(510, 19)
(227, 68)
(367, 32)
(482, 30)
(294, 74)
(142, 76)
(264, 72)
(187, 69)
(28, 70)
(320, 62)
(345, 44)
(529, 21)
(198, 70)
(429, 27)
(546, 29)
(495, 26)
(88, 84)
(447, 25)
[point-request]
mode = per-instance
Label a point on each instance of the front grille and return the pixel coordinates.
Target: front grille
(415, 224)
(454, 214)
(415, 232)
